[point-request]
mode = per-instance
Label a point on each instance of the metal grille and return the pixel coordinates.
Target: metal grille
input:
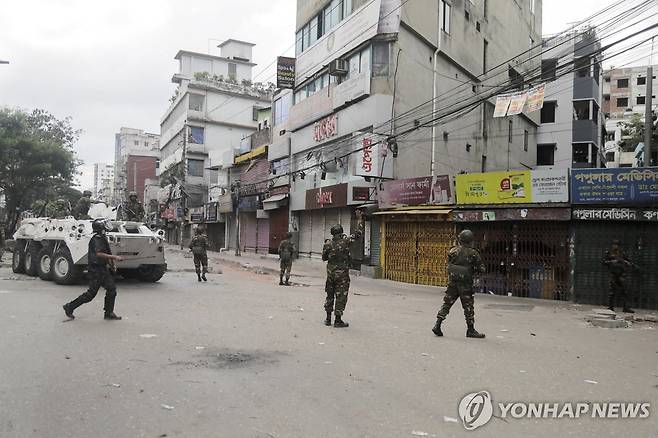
(591, 278)
(375, 242)
(417, 252)
(527, 259)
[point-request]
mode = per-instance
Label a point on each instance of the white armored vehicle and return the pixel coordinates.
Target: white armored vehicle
(56, 249)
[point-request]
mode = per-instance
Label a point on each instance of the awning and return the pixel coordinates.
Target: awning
(249, 155)
(434, 211)
(276, 201)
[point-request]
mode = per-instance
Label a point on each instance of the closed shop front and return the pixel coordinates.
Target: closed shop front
(415, 246)
(315, 226)
(248, 230)
(525, 250)
(263, 235)
(594, 230)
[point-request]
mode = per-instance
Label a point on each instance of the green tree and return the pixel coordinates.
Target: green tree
(632, 133)
(37, 159)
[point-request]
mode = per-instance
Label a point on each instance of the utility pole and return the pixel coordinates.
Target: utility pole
(182, 183)
(238, 187)
(648, 113)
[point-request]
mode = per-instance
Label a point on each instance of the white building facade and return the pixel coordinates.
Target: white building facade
(127, 142)
(103, 182)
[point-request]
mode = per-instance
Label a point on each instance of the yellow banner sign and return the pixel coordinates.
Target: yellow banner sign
(513, 187)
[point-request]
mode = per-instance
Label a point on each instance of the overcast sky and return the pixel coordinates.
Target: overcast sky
(109, 64)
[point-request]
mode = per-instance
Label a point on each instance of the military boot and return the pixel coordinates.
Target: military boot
(280, 280)
(327, 321)
(339, 323)
(111, 316)
(68, 311)
(198, 275)
(472, 333)
(437, 327)
(287, 282)
(611, 303)
(203, 277)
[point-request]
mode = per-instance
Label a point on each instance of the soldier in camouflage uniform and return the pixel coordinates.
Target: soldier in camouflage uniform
(62, 209)
(199, 247)
(134, 210)
(463, 263)
(100, 267)
(81, 210)
(338, 256)
(286, 252)
(618, 265)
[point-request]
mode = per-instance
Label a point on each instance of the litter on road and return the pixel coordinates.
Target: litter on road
(450, 420)
(167, 407)
(593, 382)
(148, 335)
(419, 433)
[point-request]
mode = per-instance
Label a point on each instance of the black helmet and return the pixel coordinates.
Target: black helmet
(86, 193)
(199, 230)
(337, 230)
(101, 225)
(465, 237)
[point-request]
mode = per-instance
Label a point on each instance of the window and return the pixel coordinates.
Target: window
(606, 78)
(484, 56)
(196, 135)
(545, 154)
(641, 81)
(136, 142)
(580, 153)
(477, 26)
(582, 67)
(195, 167)
(365, 60)
(622, 83)
(306, 36)
(232, 70)
(581, 110)
(548, 68)
(196, 102)
(380, 59)
(347, 8)
(299, 48)
(282, 109)
(548, 112)
(509, 132)
(445, 16)
(525, 140)
(313, 30)
(622, 102)
(254, 113)
(336, 12)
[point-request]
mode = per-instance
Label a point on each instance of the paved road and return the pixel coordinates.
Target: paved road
(241, 357)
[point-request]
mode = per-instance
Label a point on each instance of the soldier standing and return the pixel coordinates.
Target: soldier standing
(81, 210)
(99, 256)
(199, 247)
(286, 252)
(618, 264)
(463, 263)
(338, 255)
(62, 209)
(134, 209)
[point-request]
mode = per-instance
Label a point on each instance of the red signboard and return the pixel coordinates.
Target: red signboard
(326, 128)
(327, 197)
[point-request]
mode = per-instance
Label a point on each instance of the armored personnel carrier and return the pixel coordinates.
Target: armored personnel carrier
(56, 249)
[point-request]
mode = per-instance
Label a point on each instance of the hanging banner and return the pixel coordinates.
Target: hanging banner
(416, 191)
(367, 159)
(637, 186)
(502, 103)
(535, 99)
(517, 103)
(513, 187)
(285, 72)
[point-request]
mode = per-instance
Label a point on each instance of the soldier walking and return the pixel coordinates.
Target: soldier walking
(618, 265)
(99, 256)
(463, 263)
(337, 253)
(199, 247)
(286, 252)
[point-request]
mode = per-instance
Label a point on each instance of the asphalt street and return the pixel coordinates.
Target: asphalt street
(240, 356)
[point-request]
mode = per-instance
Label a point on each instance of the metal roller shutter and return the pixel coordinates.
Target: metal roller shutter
(305, 232)
(263, 235)
(317, 241)
(375, 242)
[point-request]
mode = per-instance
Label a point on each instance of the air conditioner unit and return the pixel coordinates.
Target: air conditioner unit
(339, 67)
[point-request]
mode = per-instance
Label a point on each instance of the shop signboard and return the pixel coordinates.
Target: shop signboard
(285, 72)
(513, 214)
(211, 212)
(637, 186)
(615, 214)
(327, 197)
(416, 191)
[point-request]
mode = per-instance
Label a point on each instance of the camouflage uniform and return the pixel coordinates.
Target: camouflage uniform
(463, 263)
(618, 265)
(134, 210)
(286, 252)
(337, 253)
(199, 247)
(62, 209)
(81, 209)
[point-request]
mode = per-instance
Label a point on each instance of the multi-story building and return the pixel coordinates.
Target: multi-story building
(624, 95)
(103, 181)
(133, 148)
(570, 134)
(361, 63)
(213, 109)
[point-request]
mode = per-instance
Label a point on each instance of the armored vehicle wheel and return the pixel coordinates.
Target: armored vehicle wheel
(30, 260)
(17, 264)
(129, 273)
(62, 269)
(44, 264)
(151, 273)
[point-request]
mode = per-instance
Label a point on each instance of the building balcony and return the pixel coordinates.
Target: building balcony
(585, 131)
(586, 88)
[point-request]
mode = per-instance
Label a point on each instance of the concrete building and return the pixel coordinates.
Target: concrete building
(103, 181)
(360, 63)
(570, 134)
(130, 142)
(213, 109)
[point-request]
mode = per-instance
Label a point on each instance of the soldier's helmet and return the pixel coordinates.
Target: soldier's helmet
(101, 225)
(199, 230)
(132, 195)
(61, 202)
(465, 237)
(86, 193)
(337, 230)
(288, 235)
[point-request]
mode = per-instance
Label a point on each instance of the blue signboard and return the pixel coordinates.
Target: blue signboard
(625, 185)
